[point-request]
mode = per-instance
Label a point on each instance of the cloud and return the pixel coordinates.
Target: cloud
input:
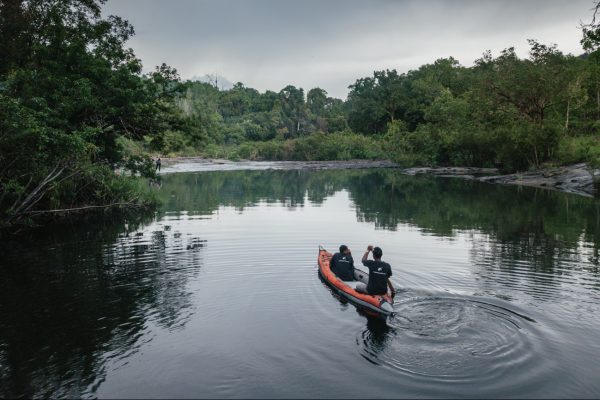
(268, 44)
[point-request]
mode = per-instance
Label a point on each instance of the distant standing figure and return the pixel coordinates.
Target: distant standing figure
(379, 274)
(342, 264)
(158, 164)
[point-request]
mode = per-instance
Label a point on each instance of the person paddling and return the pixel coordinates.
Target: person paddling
(379, 274)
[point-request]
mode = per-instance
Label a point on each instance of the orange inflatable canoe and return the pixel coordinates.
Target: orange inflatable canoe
(381, 304)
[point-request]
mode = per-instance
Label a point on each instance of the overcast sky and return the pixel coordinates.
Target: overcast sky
(268, 44)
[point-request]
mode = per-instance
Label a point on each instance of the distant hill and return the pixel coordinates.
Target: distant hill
(217, 80)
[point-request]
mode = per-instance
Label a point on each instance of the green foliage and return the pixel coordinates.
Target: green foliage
(336, 146)
(242, 114)
(579, 149)
(69, 91)
(505, 111)
(316, 147)
(316, 99)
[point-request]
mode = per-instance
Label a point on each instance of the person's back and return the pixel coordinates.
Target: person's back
(379, 274)
(342, 264)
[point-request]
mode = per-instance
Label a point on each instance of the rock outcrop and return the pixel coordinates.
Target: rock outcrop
(579, 178)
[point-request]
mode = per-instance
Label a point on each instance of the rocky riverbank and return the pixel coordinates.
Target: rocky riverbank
(578, 178)
(196, 164)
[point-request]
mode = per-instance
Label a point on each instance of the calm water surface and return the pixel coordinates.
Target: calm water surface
(217, 295)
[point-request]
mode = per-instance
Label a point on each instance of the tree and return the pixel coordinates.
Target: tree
(532, 87)
(293, 109)
(591, 44)
(316, 99)
(375, 101)
(66, 71)
(575, 90)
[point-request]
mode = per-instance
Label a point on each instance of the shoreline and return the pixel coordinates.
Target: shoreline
(198, 164)
(580, 179)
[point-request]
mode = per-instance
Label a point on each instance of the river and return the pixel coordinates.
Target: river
(217, 294)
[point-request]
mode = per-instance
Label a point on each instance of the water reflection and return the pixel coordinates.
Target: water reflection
(72, 299)
(375, 338)
(461, 341)
(78, 301)
(388, 198)
(522, 238)
(532, 224)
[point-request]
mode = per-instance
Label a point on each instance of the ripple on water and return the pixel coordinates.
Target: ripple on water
(458, 340)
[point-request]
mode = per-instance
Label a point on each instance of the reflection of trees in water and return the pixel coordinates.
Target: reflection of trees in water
(525, 237)
(510, 263)
(442, 206)
(532, 222)
(203, 193)
(528, 262)
(523, 224)
(72, 299)
(157, 265)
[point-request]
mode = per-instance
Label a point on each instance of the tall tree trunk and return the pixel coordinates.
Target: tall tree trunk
(597, 91)
(597, 101)
(568, 110)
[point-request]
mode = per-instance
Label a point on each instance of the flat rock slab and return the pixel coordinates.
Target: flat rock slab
(205, 165)
(578, 179)
(463, 172)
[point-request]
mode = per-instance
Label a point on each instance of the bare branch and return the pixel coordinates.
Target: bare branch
(21, 195)
(125, 127)
(63, 210)
(596, 10)
(26, 204)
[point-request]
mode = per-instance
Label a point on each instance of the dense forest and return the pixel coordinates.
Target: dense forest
(79, 120)
(503, 111)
